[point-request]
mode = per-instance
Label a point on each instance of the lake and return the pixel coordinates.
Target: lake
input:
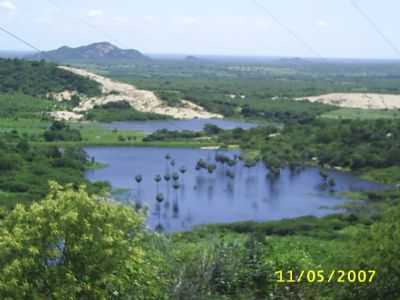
(203, 198)
(177, 125)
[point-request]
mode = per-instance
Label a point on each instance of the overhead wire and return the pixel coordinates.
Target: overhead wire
(18, 38)
(268, 12)
(375, 26)
(289, 30)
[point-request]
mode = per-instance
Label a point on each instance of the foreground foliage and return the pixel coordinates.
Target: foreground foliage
(75, 246)
(232, 262)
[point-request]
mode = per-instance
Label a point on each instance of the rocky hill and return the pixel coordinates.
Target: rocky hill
(103, 51)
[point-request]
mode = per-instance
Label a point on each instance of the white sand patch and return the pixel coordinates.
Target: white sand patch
(141, 100)
(62, 96)
(358, 100)
(66, 116)
(210, 148)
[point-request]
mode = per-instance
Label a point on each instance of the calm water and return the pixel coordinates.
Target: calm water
(192, 125)
(203, 198)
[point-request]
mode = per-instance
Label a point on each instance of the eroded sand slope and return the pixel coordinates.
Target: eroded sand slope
(141, 100)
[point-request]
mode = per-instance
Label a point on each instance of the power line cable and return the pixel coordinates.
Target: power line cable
(20, 39)
(290, 31)
(375, 26)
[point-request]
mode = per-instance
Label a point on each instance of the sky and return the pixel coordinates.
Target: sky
(326, 28)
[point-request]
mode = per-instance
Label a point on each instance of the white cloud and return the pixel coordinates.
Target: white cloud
(149, 19)
(7, 5)
(120, 19)
(189, 20)
(95, 13)
(322, 23)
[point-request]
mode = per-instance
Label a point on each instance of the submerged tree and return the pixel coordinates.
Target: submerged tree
(201, 164)
(175, 206)
(167, 177)
(323, 175)
(176, 186)
(273, 174)
(211, 168)
(173, 163)
(157, 179)
(175, 176)
(167, 158)
(230, 174)
(231, 163)
(250, 163)
(138, 179)
(160, 197)
(182, 170)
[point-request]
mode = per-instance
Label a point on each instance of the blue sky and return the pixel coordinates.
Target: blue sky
(236, 27)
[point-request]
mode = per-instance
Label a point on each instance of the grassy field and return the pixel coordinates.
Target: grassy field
(361, 114)
(93, 134)
(24, 126)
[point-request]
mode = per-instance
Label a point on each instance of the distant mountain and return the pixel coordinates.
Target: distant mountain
(191, 58)
(103, 51)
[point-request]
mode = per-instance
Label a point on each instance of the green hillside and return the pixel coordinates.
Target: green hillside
(23, 106)
(37, 78)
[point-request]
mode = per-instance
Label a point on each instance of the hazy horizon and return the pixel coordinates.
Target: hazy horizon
(249, 58)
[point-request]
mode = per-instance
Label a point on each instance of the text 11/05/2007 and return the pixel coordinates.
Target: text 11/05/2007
(321, 276)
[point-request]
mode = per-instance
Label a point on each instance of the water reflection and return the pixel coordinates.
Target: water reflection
(203, 186)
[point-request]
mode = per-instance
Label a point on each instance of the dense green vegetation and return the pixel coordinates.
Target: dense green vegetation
(362, 114)
(76, 244)
(40, 78)
(120, 111)
(165, 135)
(250, 98)
(261, 87)
(24, 106)
(247, 262)
(354, 145)
(384, 175)
(81, 247)
(59, 131)
(26, 169)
